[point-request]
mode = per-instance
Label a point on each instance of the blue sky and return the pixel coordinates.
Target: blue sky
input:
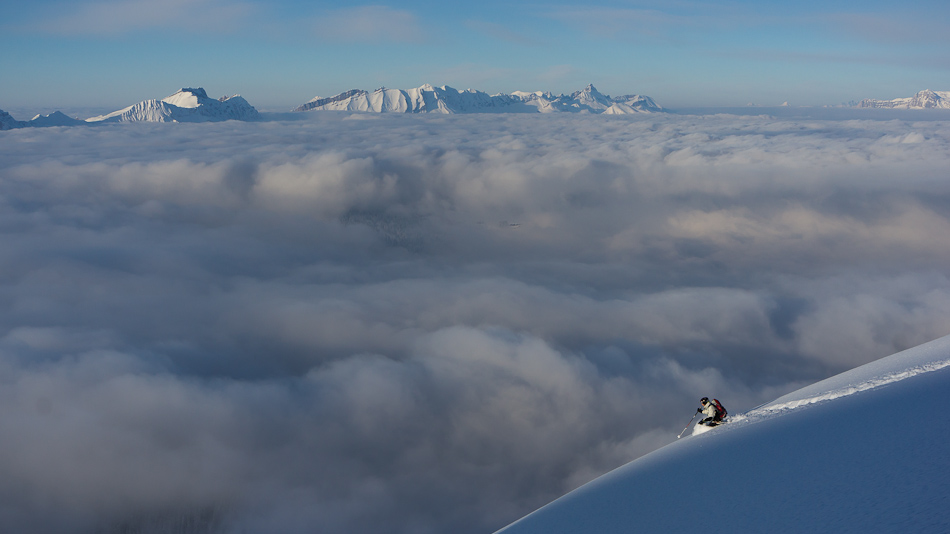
(282, 53)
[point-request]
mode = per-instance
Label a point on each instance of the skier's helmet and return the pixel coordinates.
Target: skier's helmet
(704, 400)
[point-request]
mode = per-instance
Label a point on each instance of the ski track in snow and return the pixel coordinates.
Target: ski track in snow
(770, 410)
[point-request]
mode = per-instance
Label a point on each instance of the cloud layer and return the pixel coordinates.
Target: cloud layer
(430, 324)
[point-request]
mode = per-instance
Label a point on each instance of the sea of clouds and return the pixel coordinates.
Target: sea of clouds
(418, 324)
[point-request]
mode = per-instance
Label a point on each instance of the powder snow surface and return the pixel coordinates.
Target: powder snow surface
(865, 451)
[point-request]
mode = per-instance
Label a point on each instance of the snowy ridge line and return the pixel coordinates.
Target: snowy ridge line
(447, 100)
(844, 392)
(925, 99)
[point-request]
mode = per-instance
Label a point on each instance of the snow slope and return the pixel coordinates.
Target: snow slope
(864, 451)
(186, 105)
(446, 100)
(925, 99)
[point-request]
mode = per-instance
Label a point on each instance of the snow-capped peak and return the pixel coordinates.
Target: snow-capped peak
(591, 99)
(588, 92)
(185, 105)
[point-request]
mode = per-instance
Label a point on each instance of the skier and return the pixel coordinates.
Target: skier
(713, 411)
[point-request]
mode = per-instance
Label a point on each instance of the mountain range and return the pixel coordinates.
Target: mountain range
(447, 100)
(194, 105)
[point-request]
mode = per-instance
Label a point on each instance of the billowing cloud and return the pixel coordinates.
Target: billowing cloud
(363, 323)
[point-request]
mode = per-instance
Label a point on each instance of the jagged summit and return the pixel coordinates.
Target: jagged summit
(431, 99)
(925, 99)
(590, 94)
(185, 105)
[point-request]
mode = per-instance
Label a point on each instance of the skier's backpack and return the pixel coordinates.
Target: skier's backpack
(720, 411)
